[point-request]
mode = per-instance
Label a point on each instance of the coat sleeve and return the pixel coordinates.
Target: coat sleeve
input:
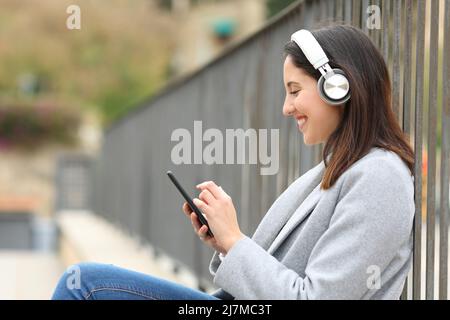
(372, 220)
(214, 264)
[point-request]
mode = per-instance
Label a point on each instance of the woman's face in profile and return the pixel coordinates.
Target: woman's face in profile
(315, 118)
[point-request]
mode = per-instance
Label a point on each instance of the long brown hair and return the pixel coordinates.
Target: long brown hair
(368, 119)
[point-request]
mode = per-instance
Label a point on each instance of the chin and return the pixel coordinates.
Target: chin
(307, 142)
(310, 142)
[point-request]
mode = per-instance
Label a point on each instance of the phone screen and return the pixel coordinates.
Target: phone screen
(185, 195)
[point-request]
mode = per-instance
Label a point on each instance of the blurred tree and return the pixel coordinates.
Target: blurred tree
(165, 4)
(275, 6)
(117, 58)
(27, 127)
(170, 4)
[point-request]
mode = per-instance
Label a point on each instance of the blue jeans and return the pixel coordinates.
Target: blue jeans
(95, 281)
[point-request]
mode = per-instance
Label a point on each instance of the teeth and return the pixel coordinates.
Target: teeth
(301, 122)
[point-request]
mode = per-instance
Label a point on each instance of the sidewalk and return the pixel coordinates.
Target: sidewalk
(32, 275)
(26, 275)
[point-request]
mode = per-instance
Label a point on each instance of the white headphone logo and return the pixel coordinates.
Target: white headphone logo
(333, 85)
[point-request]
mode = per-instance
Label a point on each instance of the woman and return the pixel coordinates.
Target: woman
(343, 230)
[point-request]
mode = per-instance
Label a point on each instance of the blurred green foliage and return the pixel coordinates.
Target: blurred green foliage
(275, 6)
(28, 127)
(119, 57)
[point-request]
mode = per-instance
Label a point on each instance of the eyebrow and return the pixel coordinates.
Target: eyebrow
(292, 82)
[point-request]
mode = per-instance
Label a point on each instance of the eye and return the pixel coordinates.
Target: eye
(294, 93)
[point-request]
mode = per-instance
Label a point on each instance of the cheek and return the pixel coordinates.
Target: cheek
(323, 117)
(314, 107)
(307, 101)
(309, 97)
(326, 119)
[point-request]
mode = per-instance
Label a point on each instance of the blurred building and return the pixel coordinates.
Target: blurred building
(29, 191)
(206, 27)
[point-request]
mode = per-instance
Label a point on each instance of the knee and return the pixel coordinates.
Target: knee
(74, 282)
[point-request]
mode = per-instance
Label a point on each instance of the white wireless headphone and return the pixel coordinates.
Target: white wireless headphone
(333, 85)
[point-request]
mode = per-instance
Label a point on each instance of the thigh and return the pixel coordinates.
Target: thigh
(106, 281)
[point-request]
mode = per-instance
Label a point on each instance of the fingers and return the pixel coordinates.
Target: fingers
(202, 233)
(212, 187)
(206, 196)
(200, 229)
(187, 209)
(195, 222)
(225, 195)
(203, 206)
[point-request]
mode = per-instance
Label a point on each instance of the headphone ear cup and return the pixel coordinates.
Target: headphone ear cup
(322, 92)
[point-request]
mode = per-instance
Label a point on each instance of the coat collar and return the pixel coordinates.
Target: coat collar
(303, 211)
(290, 202)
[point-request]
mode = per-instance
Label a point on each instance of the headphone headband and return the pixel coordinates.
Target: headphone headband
(310, 47)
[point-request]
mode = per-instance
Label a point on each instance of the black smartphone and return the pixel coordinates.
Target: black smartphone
(190, 202)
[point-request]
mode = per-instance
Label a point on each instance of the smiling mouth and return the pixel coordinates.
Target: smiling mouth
(301, 121)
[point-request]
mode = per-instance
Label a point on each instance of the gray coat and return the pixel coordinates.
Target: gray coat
(352, 241)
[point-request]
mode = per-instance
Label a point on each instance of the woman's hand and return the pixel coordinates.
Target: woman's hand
(201, 230)
(219, 210)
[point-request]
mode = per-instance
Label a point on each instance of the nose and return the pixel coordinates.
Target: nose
(288, 109)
